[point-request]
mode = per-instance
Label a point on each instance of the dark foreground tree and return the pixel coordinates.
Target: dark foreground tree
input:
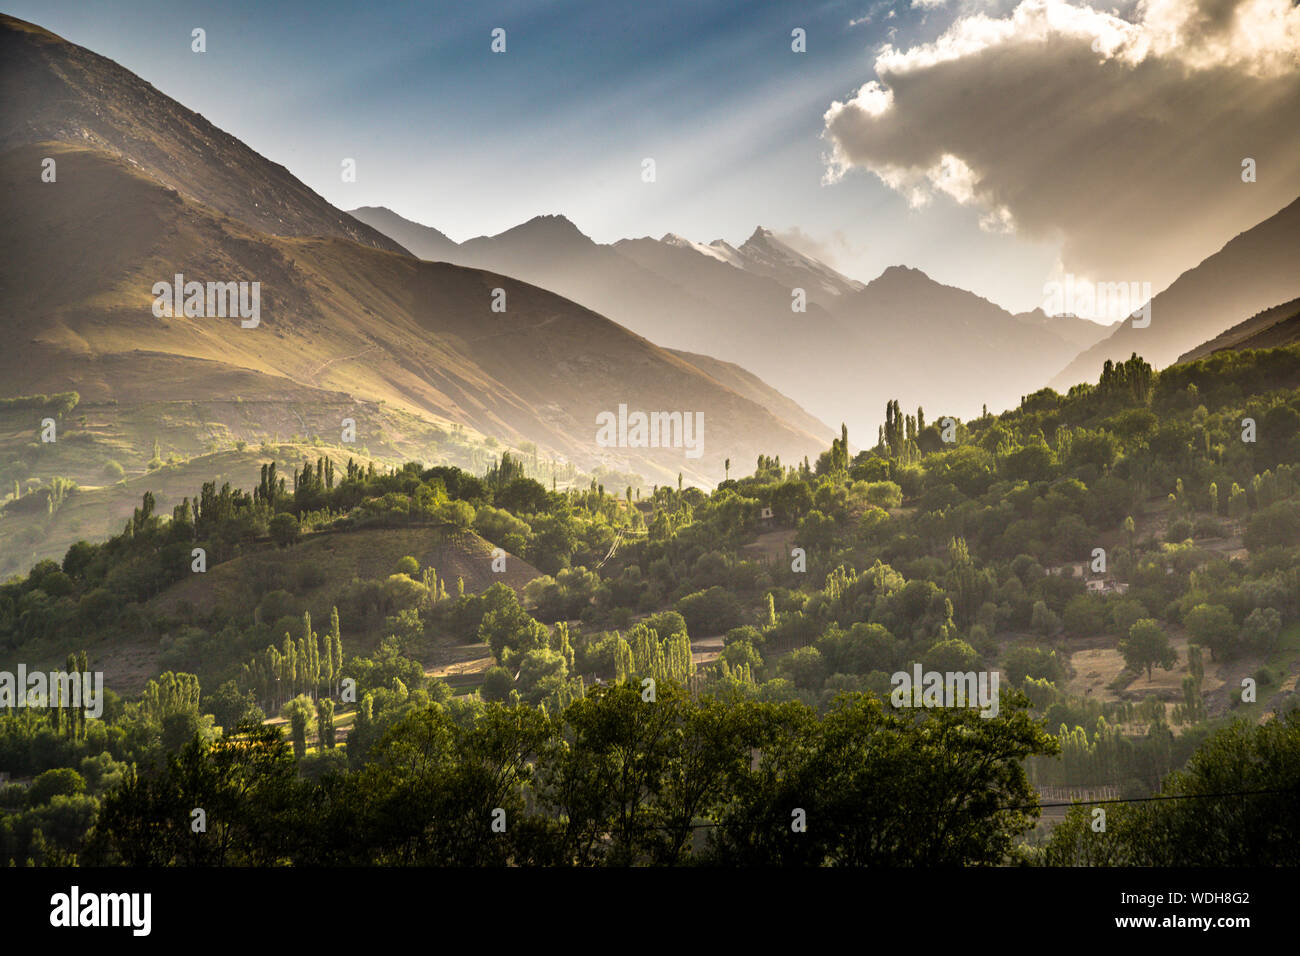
(1236, 804)
(871, 786)
(246, 786)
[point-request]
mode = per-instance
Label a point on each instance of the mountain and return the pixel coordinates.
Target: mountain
(337, 318)
(411, 352)
(1081, 333)
(717, 250)
(750, 386)
(423, 241)
(550, 251)
(955, 351)
(670, 294)
(746, 318)
(56, 91)
(1269, 329)
(1252, 272)
(763, 254)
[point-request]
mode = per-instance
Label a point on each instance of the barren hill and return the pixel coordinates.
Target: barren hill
(56, 91)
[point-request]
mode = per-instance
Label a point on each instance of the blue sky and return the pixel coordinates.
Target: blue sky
(449, 134)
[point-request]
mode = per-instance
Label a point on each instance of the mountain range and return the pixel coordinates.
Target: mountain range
(854, 346)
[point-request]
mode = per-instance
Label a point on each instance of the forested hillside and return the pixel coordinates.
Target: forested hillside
(678, 676)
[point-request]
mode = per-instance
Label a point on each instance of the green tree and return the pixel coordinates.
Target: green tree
(246, 784)
(497, 684)
(510, 632)
(301, 712)
(880, 787)
(1212, 626)
(61, 781)
(1242, 782)
(1260, 630)
(325, 723)
(1146, 646)
(1043, 620)
(285, 529)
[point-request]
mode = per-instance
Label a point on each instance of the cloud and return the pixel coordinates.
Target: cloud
(1121, 138)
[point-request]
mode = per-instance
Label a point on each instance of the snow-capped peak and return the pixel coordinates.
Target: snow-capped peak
(672, 239)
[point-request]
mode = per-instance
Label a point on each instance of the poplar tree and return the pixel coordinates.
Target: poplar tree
(298, 723)
(331, 659)
(338, 653)
(289, 664)
(325, 723)
(304, 668)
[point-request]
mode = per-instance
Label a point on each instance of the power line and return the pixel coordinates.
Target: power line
(1031, 806)
(1170, 796)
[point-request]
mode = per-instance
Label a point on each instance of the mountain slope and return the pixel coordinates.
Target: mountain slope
(550, 251)
(853, 348)
(56, 91)
(335, 316)
(747, 384)
(747, 320)
(681, 297)
(1254, 271)
(1271, 328)
(672, 295)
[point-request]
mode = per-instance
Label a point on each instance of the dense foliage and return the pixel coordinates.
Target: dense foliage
(1154, 517)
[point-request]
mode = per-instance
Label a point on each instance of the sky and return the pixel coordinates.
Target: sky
(994, 145)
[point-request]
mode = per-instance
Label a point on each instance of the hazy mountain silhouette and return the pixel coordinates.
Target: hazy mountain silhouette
(1081, 333)
(853, 348)
(944, 347)
(422, 241)
(669, 294)
(1271, 328)
(763, 253)
(1254, 271)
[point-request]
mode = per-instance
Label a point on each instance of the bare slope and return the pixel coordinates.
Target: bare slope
(56, 91)
(749, 385)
